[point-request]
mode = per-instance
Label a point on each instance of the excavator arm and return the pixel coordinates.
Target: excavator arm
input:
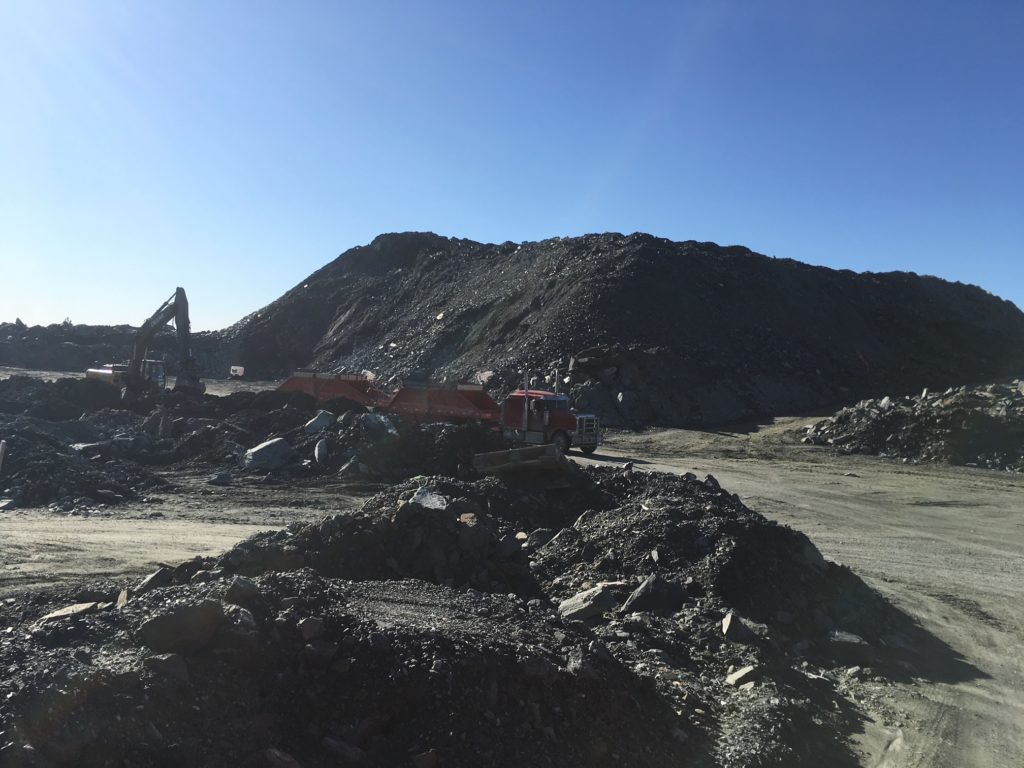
(175, 308)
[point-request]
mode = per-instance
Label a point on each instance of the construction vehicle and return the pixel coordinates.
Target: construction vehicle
(143, 377)
(539, 417)
(526, 417)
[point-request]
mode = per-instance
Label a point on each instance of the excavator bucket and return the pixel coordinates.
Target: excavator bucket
(540, 465)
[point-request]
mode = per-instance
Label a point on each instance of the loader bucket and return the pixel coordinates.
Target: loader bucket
(541, 465)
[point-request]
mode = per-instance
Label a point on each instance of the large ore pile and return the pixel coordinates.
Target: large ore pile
(973, 426)
(640, 330)
(653, 621)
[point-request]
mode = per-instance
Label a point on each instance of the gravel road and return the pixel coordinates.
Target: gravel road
(946, 545)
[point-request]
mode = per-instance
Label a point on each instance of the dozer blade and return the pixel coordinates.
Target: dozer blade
(543, 465)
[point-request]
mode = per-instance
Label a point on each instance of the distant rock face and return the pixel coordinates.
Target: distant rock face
(68, 347)
(638, 329)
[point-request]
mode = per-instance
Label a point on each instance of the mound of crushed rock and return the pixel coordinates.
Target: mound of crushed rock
(655, 620)
(298, 670)
(738, 334)
(57, 400)
(974, 426)
(39, 470)
(70, 444)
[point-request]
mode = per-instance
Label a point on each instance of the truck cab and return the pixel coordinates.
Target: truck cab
(538, 417)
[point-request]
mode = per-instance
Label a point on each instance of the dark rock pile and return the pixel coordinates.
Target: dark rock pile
(60, 400)
(639, 329)
(69, 443)
(973, 426)
(39, 470)
(298, 670)
(419, 534)
(72, 347)
(654, 620)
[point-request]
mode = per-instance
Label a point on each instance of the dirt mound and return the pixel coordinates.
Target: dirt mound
(319, 672)
(674, 576)
(55, 401)
(68, 439)
(973, 426)
(642, 330)
(668, 623)
(420, 534)
(41, 470)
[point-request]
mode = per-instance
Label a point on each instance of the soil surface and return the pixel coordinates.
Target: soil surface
(944, 544)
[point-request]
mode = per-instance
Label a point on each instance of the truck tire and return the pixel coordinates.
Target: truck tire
(562, 441)
(588, 449)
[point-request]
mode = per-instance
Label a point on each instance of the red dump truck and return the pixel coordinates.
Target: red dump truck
(530, 417)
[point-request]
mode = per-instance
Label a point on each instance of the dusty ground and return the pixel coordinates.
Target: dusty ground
(944, 544)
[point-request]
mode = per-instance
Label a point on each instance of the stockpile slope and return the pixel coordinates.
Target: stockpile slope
(641, 330)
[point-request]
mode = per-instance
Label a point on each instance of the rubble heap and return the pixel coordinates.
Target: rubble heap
(737, 335)
(979, 426)
(39, 470)
(69, 443)
(655, 620)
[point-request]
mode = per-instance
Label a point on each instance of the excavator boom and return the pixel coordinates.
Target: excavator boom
(175, 308)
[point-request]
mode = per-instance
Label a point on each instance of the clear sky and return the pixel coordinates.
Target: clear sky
(234, 147)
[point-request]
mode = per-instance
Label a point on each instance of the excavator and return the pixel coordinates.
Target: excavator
(141, 377)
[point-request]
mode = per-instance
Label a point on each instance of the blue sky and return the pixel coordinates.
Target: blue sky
(235, 147)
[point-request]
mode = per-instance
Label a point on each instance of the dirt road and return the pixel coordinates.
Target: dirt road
(946, 545)
(41, 549)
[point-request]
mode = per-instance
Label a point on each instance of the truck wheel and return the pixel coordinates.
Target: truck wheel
(588, 449)
(562, 441)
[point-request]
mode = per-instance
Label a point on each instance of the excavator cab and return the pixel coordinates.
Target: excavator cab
(154, 372)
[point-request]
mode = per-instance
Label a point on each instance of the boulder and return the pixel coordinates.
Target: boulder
(655, 594)
(161, 577)
(734, 629)
(170, 665)
(241, 591)
(587, 604)
(848, 648)
(319, 423)
(742, 675)
(538, 538)
(311, 627)
(271, 455)
(71, 611)
(183, 629)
